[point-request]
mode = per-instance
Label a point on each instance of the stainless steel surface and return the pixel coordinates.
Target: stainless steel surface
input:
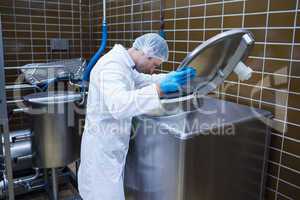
(34, 67)
(214, 60)
(55, 140)
(28, 178)
(21, 135)
(104, 8)
(21, 155)
(15, 101)
(39, 73)
(4, 122)
(176, 105)
(215, 152)
(53, 99)
(19, 86)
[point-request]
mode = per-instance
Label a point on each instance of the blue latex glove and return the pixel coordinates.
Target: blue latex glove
(175, 79)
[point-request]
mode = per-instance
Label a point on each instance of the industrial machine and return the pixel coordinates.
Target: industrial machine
(31, 157)
(52, 143)
(55, 142)
(195, 147)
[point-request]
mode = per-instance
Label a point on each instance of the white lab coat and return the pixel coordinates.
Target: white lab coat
(117, 92)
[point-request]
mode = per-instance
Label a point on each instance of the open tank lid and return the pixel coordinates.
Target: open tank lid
(214, 60)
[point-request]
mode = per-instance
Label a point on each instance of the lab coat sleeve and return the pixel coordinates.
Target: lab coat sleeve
(142, 79)
(121, 101)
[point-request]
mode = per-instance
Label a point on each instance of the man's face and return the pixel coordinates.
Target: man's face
(147, 65)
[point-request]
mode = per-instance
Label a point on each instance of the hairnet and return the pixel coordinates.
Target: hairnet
(153, 45)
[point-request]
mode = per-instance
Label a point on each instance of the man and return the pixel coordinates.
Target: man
(119, 90)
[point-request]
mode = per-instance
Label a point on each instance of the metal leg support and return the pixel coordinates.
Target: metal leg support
(54, 184)
(4, 123)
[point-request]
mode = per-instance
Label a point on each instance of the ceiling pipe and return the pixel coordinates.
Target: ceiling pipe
(162, 32)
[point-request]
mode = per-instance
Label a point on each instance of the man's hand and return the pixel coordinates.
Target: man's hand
(175, 79)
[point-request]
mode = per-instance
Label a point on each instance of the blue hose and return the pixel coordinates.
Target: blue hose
(162, 33)
(92, 62)
(96, 56)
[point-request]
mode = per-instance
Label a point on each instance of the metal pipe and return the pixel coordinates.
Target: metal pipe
(28, 178)
(23, 86)
(24, 181)
(15, 101)
(4, 123)
(80, 30)
(36, 67)
(26, 184)
(83, 97)
(104, 8)
(162, 32)
(20, 110)
(19, 86)
(38, 187)
(54, 184)
(55, 98)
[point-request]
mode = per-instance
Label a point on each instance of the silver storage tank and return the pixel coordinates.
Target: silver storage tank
(55, 141)
(215, 152)
(207, 149)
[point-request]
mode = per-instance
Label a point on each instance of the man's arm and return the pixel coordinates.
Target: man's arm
(120, 100)
(142, 79)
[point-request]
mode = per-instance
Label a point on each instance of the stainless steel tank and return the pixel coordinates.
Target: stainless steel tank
(56, 141)
(215, 152)
(210, 149)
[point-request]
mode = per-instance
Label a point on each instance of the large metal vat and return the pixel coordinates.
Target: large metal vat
(207, 149)
(55, 141)
(214, 152)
